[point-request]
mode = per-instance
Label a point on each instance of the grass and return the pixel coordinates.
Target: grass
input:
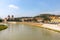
(2, 27)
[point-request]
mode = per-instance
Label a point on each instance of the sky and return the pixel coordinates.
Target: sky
(20, 8)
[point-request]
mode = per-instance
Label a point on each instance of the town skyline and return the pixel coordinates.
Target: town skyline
(21, 8)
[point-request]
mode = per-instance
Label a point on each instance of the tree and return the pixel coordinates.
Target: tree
(1, 19)
(45, 17)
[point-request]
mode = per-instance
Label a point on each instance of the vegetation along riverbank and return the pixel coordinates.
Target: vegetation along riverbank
(2, 27)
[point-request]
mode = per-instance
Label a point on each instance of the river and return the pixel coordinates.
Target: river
(27, 32)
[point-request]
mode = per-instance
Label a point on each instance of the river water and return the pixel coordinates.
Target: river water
(27, 32)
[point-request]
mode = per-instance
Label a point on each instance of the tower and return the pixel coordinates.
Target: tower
(12, 17)
(8, 17)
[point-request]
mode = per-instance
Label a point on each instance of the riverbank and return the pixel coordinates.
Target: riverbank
(28, 23)
(54, 27)
(2, 27)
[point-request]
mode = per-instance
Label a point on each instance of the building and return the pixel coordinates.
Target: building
(55, 19)
(38, 19)
(10, 18)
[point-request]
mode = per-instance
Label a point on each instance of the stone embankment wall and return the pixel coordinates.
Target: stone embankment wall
(55, 27)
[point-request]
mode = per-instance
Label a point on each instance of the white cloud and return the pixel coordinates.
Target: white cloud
(13, 7)
(53, 12)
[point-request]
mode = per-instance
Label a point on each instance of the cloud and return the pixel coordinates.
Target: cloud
(13, 7)
(53, 12)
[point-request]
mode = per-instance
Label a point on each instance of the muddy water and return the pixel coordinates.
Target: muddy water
(26, 32)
